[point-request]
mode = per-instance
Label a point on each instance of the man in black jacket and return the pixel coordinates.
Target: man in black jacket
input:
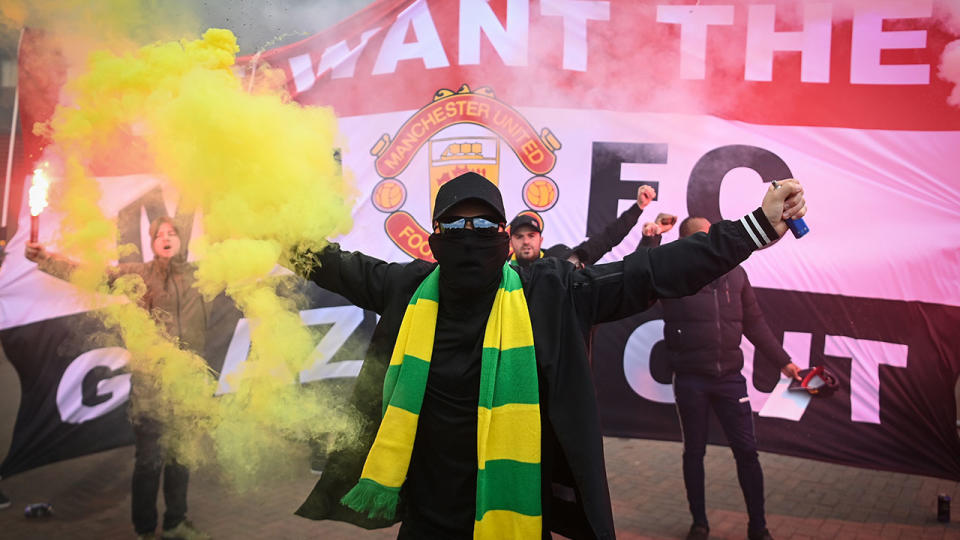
(702, 333)
(440, 495)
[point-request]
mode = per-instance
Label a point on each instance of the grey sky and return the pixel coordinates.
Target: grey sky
(259, 22)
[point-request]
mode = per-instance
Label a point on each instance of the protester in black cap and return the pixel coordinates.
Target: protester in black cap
(526, 235)
(526, 238)
(452, 372)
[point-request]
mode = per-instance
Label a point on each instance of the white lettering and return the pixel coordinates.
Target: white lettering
(575, 15)
(427, 47)
(341, 59)
(813, 42)
(302, 69)
(693, 21)
(510, 40)
(237, 353)
(869, 39)
(345, 319)
(636, 363)
(867, 356)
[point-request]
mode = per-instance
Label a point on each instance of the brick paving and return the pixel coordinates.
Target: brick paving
(805, 499)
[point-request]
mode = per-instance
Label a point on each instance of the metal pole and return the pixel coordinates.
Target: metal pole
(13, 138)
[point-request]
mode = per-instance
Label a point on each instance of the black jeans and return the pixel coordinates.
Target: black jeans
(726, 395)
(149, 463)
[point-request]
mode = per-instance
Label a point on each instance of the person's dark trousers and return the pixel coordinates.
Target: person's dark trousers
(727, 396)
(149, 463)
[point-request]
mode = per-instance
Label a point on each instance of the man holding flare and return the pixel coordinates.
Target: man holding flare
(479, 413)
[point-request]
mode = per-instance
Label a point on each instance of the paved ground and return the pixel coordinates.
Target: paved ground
(805, 499)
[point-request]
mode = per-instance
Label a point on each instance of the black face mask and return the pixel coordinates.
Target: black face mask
(470, 261)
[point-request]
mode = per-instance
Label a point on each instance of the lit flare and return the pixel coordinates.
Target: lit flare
(39, 187)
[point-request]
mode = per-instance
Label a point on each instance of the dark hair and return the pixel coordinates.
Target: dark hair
(154, 229)
(690, 225)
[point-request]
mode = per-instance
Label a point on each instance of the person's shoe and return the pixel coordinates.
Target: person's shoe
(4, 501)
(147, 536)
(184, 531)
(698, 532)
(762, 534)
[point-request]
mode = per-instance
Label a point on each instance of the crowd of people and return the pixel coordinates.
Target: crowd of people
(479, 411)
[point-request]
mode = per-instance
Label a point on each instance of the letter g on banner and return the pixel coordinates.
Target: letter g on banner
(90, 386)
(636, 363)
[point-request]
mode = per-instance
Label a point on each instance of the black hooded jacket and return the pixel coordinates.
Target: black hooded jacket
(564, 303)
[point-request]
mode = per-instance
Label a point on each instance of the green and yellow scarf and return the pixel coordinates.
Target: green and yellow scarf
(508, 415)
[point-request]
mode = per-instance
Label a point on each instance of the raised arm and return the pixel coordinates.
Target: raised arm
(594, 248)
(608, 292)
(653, 231)
(54, 264)
(361, 279)
(62, 267)
(616, 290)
(652, 236)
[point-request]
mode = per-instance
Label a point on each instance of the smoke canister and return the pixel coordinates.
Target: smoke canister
(797, 226)
(943, 508)
(38, 510)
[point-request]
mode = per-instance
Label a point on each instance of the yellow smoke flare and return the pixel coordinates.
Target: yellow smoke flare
(262, 172)
(86, 234)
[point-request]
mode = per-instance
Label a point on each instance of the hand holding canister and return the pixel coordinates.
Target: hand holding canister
(796, 225)
(784, 202)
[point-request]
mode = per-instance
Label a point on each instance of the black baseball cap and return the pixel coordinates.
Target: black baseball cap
(527, 219)
(465, 187)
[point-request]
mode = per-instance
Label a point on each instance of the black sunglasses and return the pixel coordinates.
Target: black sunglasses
(479, 223)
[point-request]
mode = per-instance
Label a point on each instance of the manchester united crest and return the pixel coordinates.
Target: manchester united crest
(463, 131)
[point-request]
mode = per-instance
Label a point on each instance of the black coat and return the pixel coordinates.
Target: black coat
(702, 331)
(594, 248)
(564, 303)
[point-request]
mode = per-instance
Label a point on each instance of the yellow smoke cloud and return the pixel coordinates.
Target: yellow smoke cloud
(179, 388)
(262, 171)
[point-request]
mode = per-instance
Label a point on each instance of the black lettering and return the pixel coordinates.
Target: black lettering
(606, 187)
(703, 189)
(88, 387)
